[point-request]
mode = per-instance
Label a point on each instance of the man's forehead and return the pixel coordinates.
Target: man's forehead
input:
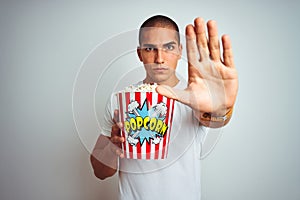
(158, 35)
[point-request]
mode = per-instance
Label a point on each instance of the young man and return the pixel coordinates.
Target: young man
(206, 100)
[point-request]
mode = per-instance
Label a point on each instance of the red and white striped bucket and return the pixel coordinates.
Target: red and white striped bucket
(147, 122)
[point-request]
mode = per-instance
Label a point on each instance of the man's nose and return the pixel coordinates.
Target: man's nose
(159, 56)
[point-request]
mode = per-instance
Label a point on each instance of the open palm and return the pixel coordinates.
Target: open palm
(212, 80)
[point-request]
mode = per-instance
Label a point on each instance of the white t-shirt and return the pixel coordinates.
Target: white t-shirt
(177, 176)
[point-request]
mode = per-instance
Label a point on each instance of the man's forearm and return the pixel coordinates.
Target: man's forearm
(104, 161)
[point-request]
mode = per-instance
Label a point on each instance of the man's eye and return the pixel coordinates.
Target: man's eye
(149, 49)
(169, 47)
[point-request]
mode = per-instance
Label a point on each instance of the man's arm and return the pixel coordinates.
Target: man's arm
(212, 77)
(106, 153)
(104, 161)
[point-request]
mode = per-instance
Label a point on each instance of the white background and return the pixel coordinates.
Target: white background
(42, 45)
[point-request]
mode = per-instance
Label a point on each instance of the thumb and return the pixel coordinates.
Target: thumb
(182, 96)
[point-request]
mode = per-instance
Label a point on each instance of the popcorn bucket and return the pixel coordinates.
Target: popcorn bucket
(147, 122)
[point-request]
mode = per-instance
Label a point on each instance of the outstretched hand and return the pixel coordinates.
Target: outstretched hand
(212, 78)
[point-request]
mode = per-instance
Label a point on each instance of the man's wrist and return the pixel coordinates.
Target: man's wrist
(213, 120)
(215, 117)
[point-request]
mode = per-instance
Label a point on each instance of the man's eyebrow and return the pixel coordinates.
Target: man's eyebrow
(155, 45)
(149, 45)
(170, 43)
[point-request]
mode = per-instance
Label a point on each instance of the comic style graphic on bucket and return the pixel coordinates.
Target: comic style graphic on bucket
(147, 122)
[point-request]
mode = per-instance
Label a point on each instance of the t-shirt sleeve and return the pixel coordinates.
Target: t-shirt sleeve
(107, 120)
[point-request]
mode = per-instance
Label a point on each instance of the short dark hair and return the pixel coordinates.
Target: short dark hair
(160, 21)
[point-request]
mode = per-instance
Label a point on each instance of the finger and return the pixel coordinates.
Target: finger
(117, 151)
(213, 44)
(180, 95)
(201, 38)
(120, 153)
(116, 116)
(191, 47)
(115, 130)
(120, 125)
(167, 91)
(117, 140)
(227, 51)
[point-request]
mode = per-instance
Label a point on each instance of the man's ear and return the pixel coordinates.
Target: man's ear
(139, 53)
(180, 51)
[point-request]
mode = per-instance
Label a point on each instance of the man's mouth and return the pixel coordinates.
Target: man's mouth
(160, 69)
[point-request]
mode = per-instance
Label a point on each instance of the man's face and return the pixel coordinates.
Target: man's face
(159, 51)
